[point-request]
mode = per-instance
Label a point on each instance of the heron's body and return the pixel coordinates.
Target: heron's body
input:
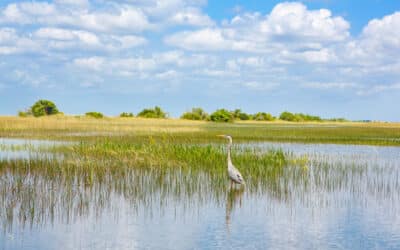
(234, 174)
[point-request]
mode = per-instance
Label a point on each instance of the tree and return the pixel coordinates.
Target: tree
(44, 107)
(262, 116)
(244, 116)
(157, 112)
(239, 115)
(93, 114)
(298, 117)
(221, 115)
(287, 116)
(126, 114)
(195, 114)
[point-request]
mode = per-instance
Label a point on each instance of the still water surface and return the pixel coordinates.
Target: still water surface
(347, 198)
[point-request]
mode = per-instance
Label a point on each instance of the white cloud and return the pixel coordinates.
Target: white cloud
(93, 63)
(29, 78)
(11, 42)
(294, 20)
(117, 66)
(7, 35)
(78, 3)
(291, 44)
(260, 85)
(205, 39)
(329, 85)
(121, 18)
(169, 74)
(384, 33)
(379, 88)
(290, 25)
(46, 39)
(68, 35)
(192, 16)
(126, 19)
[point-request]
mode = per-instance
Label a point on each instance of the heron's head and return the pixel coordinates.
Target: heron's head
(226, 137)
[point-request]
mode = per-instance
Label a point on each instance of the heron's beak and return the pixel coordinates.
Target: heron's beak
(221, 135)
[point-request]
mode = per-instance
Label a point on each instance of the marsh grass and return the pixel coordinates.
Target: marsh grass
(150, 161)
(81, 128)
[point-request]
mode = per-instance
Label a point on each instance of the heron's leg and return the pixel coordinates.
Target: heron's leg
(231, 183)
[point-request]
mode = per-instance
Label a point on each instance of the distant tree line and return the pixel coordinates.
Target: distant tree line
(46, 107)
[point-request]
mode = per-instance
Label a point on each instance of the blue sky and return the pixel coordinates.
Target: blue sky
(324, 57)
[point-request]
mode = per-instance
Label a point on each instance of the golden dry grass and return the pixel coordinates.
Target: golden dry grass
(69, 127)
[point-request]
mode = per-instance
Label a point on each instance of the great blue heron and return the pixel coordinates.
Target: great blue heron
(234, 175)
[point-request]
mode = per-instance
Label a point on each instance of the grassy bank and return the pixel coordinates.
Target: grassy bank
(71, 128)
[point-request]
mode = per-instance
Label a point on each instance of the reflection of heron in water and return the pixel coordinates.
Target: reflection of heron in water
(234, 175)
(234, 197)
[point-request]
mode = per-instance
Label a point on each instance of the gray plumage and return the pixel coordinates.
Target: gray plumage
(233, 173)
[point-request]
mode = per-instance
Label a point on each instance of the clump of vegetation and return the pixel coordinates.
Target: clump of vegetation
(195, 114)
(23, 113)
(262, 116)
(239, 115)
(337, 120)
(222, 115)
(298, 117)
(93, 114)
(157, 112)
(41, 108)
(126, 114)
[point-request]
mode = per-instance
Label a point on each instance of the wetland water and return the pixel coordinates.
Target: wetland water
(347, 197)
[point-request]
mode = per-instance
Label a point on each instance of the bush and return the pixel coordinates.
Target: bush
(287, 116)
(125, 114)
(195, 114)
(298, 117)
(221, 115)
(244, 116)
(337, 120)
(157, 112)
(306, 117)
(262, 116)
(97, 115)
(23, 114)
(239, 115)
(43, 107)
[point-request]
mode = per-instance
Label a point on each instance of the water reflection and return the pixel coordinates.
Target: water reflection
(233, 199)
(11, 149)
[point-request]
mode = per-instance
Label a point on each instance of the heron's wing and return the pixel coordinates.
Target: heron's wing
(235, 174)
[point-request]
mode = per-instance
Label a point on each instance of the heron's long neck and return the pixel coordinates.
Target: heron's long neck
(229, 153)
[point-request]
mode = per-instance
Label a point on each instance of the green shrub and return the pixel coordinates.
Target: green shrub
(287, 116)
(126, 114)
(94, 114)
(43, 107)
(222, 115)
(195, 114)
(157, 112)
(239, 115)
(23, 114)
(244, 117)
(262, 116)
(298, 117)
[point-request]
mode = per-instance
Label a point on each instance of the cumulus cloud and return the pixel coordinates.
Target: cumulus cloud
(292, 44)
(119, 16)
(64, 38)
(288, 23)
(193, 17)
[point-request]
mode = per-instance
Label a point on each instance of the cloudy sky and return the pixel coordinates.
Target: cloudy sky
(331, 58)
